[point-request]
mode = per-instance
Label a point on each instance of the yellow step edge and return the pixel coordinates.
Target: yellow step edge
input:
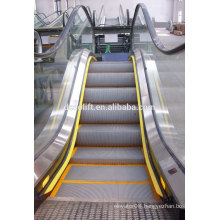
(149, 167)
(100, 165)
(70, 153)
(56, 188)
(105, 182)
(109, 147)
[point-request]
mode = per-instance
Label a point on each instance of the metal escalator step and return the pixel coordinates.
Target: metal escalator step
(110, 95)
(97, 67)
(62, 208)
(110, 79)
(110, 114)
(108, 173)
(107, 192)
(113, 155)
(109, 135)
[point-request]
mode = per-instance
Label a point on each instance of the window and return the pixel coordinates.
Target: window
(180, 16)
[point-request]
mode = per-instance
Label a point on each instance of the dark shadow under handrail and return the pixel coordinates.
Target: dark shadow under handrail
(64, 33)
(153, 34)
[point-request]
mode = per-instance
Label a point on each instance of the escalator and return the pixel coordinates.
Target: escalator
(108, 161)
(112, 34)
(43, 20)
(102, 21)
(50, 27)
(53, 20)
(100, 155)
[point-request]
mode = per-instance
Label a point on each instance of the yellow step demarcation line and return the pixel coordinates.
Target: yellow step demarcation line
(64, 165)
(56, 188)
(47, 178)
(101, 182)
(109, 147)
(156, 196)
(74, 151)
(62, 179)
(111, 123)
(105, 182)
(149, 167)
(111, 165)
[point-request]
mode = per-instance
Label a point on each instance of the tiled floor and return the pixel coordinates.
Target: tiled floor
(169, 40)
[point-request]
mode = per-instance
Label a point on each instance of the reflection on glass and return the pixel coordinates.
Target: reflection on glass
(53, 80)
(166, 75)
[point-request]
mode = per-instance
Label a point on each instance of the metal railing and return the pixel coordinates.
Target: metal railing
(64, 33)
(152, 31)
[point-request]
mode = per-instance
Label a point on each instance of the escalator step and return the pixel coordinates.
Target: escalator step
(110, 95)
(109, 135)
(109, 155)
(97, 67)
(110, 79)
(106, 114)
(107, 192)
(108, 173)
(107, 182)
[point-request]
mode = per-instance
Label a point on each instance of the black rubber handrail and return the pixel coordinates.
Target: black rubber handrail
(65, 14)
(65, 32)
(153, 34)
(40, 14)
(40, 19)
(88, 9)
(127, 17)
(94, 17)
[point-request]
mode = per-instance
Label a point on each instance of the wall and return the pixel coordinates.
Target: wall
(45, 6)
(161, 10)
(179, 5)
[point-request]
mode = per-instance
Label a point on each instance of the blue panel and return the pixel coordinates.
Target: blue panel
(115, 57)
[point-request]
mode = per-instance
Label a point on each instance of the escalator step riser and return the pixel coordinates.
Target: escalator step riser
(120, 114)
(97, 67)
(109, 135)
(107, 193)
(110, 79)
(107, 173)
(108, 155)
(110, 95)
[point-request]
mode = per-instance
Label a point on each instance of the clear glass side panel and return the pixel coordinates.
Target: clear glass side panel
(166, 76)
(38, 22)
(68, 11)
(41, 15)
(58, 22)
(53, 80)
(51, 18)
